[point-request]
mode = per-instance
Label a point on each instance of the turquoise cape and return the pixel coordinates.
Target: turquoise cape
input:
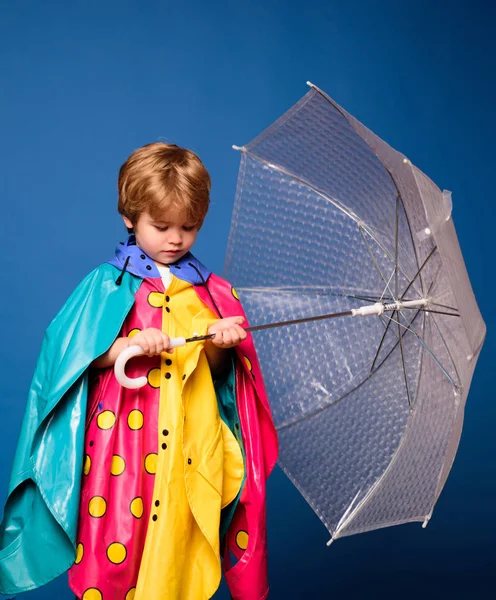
(38, 532)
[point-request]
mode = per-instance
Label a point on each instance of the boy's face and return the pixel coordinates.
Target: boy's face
(167, 239)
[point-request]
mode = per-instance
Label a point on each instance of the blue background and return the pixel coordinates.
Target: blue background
(85, 83)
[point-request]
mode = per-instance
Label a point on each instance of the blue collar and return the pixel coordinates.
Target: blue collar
(187, 268)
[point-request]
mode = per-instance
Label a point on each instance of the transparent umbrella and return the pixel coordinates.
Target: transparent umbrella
(329, 219)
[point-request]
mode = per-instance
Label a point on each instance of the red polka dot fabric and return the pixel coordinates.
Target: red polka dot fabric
(121, 446)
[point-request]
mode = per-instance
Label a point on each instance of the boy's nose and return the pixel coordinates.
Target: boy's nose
(175, 237)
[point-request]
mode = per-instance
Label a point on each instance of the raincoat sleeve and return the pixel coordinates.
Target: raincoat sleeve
(37, 535)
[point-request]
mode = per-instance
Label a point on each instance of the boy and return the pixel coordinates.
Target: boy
(159, 464)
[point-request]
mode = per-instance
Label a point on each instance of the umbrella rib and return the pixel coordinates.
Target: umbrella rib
(396, 249)
(431, 253)
(384, 250)
(394, 333)
(429, 310)
(379, 348)
(410, 231)
(427, 295)
(375, 261)
(448, 352)
(436, 360)
(365, 298)
(456, 384)
(387, 286)
(404, 366)
(419, 310)
(442, 305)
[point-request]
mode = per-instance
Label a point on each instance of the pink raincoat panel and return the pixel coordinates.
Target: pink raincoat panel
(247, 534)
(116, 491)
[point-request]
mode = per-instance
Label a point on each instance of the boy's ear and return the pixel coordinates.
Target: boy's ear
(127, 223)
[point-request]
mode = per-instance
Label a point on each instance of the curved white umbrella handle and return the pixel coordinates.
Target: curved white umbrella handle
(135, 350)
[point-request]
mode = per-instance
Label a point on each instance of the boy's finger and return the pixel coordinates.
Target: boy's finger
(241, 332)
(166, 340)
(228, 339)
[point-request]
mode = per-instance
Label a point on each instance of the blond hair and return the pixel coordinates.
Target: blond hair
(158, 176)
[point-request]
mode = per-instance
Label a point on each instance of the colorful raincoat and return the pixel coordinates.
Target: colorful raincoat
(39, 534)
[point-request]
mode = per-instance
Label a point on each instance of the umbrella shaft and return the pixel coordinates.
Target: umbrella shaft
(347, 313)
(376, 308)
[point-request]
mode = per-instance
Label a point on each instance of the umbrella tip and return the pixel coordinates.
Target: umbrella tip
(237, 147)
(310, 84)
(329, 542)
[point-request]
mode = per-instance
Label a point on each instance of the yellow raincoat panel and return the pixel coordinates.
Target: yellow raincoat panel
(199, 466)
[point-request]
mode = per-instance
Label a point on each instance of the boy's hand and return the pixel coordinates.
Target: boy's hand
(228, 332)
(152, 340)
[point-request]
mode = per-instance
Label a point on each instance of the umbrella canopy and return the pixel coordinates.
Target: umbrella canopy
(369, 409)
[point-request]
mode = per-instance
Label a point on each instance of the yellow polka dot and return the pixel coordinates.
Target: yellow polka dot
(156, 299)
(248, 362)
(242, 539)
(106, 419)
(87, 465)
(97, 506)
(135, 419)
(130, 594)
(116, 553)
(92, 594)
(151, 463)
(136, 507)
(154, 377)
(234, 293)
(118, 465)
(133, 332)
(79, 553)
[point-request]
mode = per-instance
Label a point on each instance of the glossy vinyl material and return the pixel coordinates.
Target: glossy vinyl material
(159, 465)
(38, 534)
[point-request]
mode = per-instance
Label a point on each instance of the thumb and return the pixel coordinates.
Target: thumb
(239, 320)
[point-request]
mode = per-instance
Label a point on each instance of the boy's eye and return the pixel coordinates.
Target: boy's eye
(183, 227)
